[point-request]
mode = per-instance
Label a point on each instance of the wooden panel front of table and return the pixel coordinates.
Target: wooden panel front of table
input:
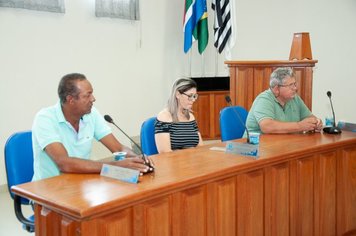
(302, 184)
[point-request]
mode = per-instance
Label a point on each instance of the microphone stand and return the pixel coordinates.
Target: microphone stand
(228, 100)
(334, 129)
(147, 162)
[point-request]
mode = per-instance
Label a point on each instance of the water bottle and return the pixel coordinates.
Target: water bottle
(329, 121)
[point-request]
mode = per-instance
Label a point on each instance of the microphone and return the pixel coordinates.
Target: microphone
(333, 129)
(228, 100)
(147, 163)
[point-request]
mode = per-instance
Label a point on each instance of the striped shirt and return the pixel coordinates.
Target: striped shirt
(182, 134)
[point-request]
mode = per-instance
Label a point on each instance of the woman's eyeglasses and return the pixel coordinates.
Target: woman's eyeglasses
(191, 97)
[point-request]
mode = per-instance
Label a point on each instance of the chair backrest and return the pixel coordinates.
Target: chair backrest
(231, 126)
(147, 137)
(19, 160)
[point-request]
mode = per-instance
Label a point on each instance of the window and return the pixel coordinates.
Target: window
(125, 9)
(38, 5)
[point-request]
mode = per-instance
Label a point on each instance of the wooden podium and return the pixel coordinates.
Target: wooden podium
(250, 78)
(302, 184)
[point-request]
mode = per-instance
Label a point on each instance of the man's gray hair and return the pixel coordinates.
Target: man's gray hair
(279, 74)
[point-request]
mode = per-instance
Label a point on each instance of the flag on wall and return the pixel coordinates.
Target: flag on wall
(224, 25)
(195, 24)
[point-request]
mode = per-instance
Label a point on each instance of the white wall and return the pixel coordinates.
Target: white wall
(132, 64)
(266, 29)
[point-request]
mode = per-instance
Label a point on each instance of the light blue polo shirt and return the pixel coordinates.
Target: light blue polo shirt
(50, 126)
(266, 105)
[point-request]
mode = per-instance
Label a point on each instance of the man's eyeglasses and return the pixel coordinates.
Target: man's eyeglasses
(191, 97)
(291, 85)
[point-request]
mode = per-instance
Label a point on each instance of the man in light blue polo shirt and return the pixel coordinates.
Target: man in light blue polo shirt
(279, 109)
(63, 134)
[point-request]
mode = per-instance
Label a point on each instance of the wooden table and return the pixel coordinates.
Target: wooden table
(300, 185)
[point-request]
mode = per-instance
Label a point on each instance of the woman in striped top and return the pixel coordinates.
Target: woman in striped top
(175, 126)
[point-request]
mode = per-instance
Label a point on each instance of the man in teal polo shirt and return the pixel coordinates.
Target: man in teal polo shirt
(63, 134)
(279, 109)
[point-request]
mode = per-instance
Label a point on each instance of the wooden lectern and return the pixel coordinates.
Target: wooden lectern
(250, 78)
(301, 48)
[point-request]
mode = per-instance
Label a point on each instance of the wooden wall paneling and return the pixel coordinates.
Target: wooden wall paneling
(207, 110)
(119, 223)
(221, 207)
(68, 226)
(212, 115)
(177, 215)
(293, 198)
(219, 103)
(249, 88)
(308, 86)
(226, 191)
(156, 217)
(47, 227)
(190, 212)
(257, 82)
(239, 99)
(212, 201)
(38, 225)
(202, 111)
(250, 203)
(249, 78)
(194, 207)
(304, 194)
(325, 194)
(139, 219)
(304, 81)
(277, 200)
(261, 81)
(233, 81)
(346, 192)
(90, 227)
(244, 95)
(299, 75)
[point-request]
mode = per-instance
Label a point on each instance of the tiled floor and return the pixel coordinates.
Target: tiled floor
(9, 225)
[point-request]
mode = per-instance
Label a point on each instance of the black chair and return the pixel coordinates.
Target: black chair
(19, 169)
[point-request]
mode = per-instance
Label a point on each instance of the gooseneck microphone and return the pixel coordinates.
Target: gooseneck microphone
(228, 100)
(110, 120)
(334, 129)
(147, 163)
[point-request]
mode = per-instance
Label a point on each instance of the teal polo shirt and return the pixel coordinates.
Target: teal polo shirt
(50, 126)
(266, 106)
